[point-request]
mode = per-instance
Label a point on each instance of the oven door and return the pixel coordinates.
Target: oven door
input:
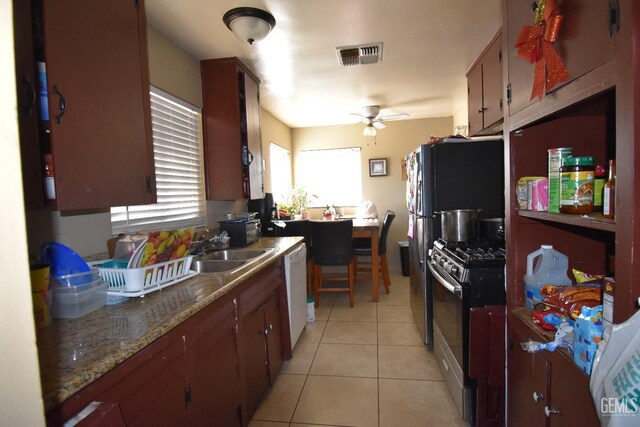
(451, 335)
(448, 311)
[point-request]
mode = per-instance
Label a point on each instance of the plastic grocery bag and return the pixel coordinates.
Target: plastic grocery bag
(367, 209)
(615, 378)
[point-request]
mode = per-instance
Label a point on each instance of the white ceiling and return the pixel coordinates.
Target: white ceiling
(428, 47)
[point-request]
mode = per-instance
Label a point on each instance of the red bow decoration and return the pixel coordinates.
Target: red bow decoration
(535, 45)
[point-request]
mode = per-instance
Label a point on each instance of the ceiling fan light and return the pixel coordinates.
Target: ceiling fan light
(249, 23)
(369, 130)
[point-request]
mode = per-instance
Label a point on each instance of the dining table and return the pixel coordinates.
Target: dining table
(363, 228)
(368, 228)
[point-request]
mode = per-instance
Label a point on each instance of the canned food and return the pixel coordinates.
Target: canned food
(556, 156)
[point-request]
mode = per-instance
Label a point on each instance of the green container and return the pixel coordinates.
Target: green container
(556, 156)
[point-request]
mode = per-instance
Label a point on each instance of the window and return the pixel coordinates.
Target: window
(333, 175)
(280, 164)
(179, 178)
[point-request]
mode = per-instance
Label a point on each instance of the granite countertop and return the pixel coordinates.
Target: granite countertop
(75, 352)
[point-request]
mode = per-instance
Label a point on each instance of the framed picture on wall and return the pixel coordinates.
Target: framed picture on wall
(377, 167)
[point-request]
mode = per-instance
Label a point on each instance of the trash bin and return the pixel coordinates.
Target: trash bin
(404, 257)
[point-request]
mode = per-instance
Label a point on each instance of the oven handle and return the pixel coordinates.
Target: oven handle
(456, 290)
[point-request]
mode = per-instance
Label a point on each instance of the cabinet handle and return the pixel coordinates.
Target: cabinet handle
(614, 17)
(482, 110)
(250, 158)
(550, 411)
(62, 104)
(268, 329)
(537, 397)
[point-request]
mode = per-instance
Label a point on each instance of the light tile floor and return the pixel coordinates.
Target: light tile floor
(361, 366)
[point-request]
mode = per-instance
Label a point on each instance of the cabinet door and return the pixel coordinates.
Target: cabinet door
(97, 69)
(474, 89)
(255, 350)
(274, 336)
(27, 92)
(527, 374)
(492, 83)
(214, 377)
(574, 405)
(583, 43)
(254, 137)
(152, 392)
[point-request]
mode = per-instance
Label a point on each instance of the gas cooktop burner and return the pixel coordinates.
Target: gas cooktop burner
(480, 254)
(460, 258)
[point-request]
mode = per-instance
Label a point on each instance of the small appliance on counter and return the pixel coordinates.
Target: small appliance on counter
(266, 213)
(241, 232)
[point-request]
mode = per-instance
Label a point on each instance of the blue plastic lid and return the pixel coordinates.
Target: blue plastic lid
(62, 259)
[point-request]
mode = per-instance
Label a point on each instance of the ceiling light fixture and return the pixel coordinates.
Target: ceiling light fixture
(249, 23)
(369, 130)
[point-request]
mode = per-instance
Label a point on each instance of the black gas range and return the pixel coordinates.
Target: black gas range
(466, 275)
(461, 260)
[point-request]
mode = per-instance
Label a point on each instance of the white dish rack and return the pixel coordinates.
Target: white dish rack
(137, 282)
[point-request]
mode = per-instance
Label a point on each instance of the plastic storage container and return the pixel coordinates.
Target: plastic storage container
(550, 269)
(75, 295)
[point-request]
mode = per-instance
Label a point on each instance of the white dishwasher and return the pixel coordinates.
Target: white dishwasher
(295, 264)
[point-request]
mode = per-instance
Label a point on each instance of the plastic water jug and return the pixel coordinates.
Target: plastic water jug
(550, 269)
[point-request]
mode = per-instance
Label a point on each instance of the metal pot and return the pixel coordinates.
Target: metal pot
(459, 225)
(492, 228)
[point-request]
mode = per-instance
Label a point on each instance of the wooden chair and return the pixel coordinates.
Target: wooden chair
(302, 228)
(332, 243)
(362, 247)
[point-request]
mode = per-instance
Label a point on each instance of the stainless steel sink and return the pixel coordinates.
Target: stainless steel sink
(234, 254)
(227, 261)
(216, 266)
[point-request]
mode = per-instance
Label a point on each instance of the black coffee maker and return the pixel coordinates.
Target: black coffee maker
(267, 212)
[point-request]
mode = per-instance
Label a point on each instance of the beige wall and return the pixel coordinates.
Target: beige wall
(393, 143)
(273, 130)
(20, 394)
(172, 69)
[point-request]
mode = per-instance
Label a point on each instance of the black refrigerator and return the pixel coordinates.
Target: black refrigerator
(458, 173)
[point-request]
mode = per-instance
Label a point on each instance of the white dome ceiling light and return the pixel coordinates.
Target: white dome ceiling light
(249, 23)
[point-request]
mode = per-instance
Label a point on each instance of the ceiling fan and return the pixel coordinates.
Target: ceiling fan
(372, 119)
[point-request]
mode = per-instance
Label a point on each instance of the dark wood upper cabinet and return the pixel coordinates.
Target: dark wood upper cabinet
(484, 86)
(232, 138)
(27, 92)
(99, 129)
(585, 41)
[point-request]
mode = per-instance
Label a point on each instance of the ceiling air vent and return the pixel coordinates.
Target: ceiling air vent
(359, 55)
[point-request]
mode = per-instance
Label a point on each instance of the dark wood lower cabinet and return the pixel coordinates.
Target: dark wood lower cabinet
(214, 379)
(275, 357)
(255, 343)
(545, 388)
(211, 370)
(527, 385)
(264, 336)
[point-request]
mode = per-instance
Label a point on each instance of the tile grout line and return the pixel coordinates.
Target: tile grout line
(306, 378)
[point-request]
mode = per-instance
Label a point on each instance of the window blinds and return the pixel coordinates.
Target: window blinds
(179, 177)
